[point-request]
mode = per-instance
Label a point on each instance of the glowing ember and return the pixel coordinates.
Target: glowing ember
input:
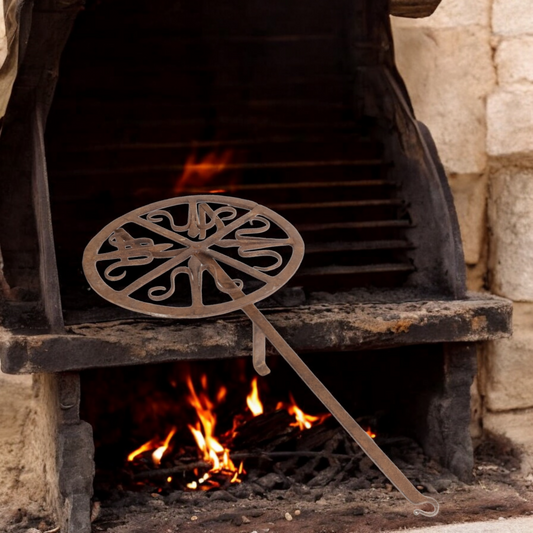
(199, 172)
(302, 420)
(252, 400)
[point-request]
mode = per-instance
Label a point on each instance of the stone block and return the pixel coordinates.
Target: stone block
(510, 124)
(476, 276)
(453, 13)
(512, 17)
(476, 412)
(470, 199)
(517, 426)
(509, 365)
(514, 61)
(449, 73)
(22, 485)
(3, 37)
(511, 241)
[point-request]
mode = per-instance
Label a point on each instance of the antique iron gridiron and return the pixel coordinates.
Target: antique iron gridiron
(140, 260)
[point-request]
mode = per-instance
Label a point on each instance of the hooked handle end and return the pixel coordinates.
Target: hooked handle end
(429, 501)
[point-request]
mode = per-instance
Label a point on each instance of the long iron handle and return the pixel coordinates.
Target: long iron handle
(374, 452)
(359, 435)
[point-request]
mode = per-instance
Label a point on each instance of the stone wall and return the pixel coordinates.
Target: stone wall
(446, 61)
(469, 69)
(23, 487)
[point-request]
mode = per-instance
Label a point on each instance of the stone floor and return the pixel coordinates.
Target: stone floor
(510, 525)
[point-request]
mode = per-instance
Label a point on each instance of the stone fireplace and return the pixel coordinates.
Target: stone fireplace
(383, 279)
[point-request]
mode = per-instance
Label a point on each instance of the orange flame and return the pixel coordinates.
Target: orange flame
(370, 433)
(160, 451)
(150, 445)
(198, 173)
(212, 450)
(221, 394)
(253, 401)
(302, 420)
(159, 447)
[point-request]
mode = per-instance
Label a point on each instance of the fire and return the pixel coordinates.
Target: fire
(370, 433)
(150, 445)
(212, 450)
(253, 401)
(199, 172)
(159, 447)
(160, 451)
(302, 420)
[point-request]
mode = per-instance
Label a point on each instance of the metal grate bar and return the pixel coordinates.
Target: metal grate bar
(355, 225)
(247, 38)
(325, 247)
(238, 166)
(230, 107)
(361, 269)
(297, 185)
(136, 122)
(206, 144)
(326, 205)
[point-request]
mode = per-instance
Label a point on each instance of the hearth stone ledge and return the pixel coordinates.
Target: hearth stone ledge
(313, 328)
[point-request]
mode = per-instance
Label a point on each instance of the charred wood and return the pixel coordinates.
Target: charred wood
(181, 467)
(264, 431)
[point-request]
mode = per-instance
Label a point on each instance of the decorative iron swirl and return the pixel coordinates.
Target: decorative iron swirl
(198, 224)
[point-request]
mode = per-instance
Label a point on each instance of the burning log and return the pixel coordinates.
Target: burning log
(181, 467)
(265, 431)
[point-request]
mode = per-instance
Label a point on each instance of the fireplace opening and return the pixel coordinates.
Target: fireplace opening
(212, 425)
(264, 101)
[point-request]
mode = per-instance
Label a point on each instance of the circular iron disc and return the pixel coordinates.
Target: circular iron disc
(147, 246)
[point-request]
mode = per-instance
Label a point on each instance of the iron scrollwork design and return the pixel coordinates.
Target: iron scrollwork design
(215, 224)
